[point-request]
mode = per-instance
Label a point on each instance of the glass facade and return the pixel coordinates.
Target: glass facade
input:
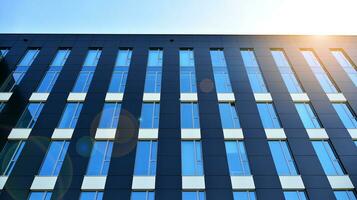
(329, 162)
(283, 160)
(191, 155)
(91, 195)
(347, 116)
(220, 71)
(346, 64)
(237, 158)
(54, 159)
(120, 72)
(150, 113)
(193, 195)
(189, 115)
(146, 158)
(142, 195)
(307, 115)
(244, 195)
(70, 115)
(30, 115)
(229, 116)
(345, 195)
(40, 196)
(100, 158)
(187, 71)
(268, 115)
(154, 71)
(9, 155)
(110, 115)
(295, 195)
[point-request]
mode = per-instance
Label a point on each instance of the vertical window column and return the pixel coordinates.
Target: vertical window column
(346, 64)
(187, 71)
(70, 115)
(268, 115)
(220, 71)
(9, 156)
(307, 115)
(120, 73)
(154, 71)
(54, 158)
(30, 115)
(347, 116)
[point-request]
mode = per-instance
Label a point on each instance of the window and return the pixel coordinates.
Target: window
(347, 116)
(307, 115)
(320, 73)
(86, 74)
(150, 115)
(40, 195)
(9, 155)
(283, 160)
(2, 106)
(268, 115)
(237, 158)
(145, 162)
(229, 117)
(120, 73)
(220, 71)
(3, 52)
(191, 155)
(328, 160)
(110, 115)
(254, 74)
(54, 159)
(30, 115)
(189, 115)
(91, 195)
(286, 71)
(346, 64)
(142, 195)
(295, 195)
(100, 158)
(70, 115)
(193, 195)
(54, 70)
(18, 74)
(187, 71)
(345, 195)
(244, 195)
(355, 142)
(153, 72)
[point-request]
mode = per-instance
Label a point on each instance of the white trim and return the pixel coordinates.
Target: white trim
(3, 180)
(340, 182)
(105, 133)
(151, 97)
(336, 97)
(242, 183)
(188, 97)
(62, 134)
(275, 133)
(148, 134)
(43, 183)
(76, 97)
(193, 182)
(226, 97)
(190, 133)
(114, 97)
(5, 96)
(39, 97)
(317, 133)
(263, 97)
(352, 132)
(299, 97)
(292, 182)
(233, 134)
(19, 133)
(93, 183)
(143, 183)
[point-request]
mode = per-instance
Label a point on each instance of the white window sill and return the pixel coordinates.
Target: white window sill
(242, 183)
(41, 183)
(93, 183)
(143, 183)
(193, 182)
(291, 182)
(39, 97)
(114, 97)
(190, 133)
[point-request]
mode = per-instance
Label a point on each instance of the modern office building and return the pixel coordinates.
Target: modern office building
(178, 117)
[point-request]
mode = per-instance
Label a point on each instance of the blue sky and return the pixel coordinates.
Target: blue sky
(180, 16)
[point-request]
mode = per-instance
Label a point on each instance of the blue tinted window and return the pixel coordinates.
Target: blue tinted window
(2, 106)
(29, 57)
(191, 155)
(345, 195)
(229, 117)
(143, 195)
(187, 58)
(283, 160)
(355, 143)
(244, 195)
(40, 196)
(153, 80)
(70, 115)
(49, 79)
(295, 195)
(193, 195)
(100, 158)
(188, 80)
(254, 74)
(54, 159)
(9, 155)
(189, 115)
(91, 195)
(61, 57)
(347, 64)
(92, 58)
(220, 71)
(145, 162)
(346, 115)
(150, 115)
(3, 52)
(286, 72)
(321, 75)
(110, 115)
(118, 80)
(155, 58)
(237, 158)
(307, 115)
(30, 115)
(217, 58)
(328, 160)
(123, 58)
(268, 115)
(83, 81)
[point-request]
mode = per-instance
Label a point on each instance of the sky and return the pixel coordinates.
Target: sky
(320, 17)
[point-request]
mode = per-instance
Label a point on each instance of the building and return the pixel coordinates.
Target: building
(192, 117)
